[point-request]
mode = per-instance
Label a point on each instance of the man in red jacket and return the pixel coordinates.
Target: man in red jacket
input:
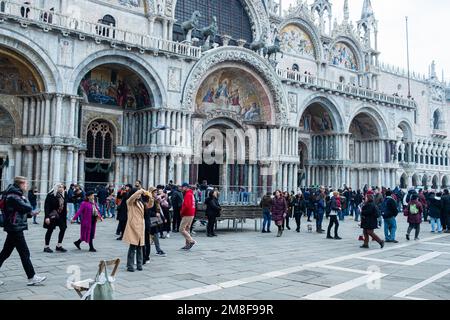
(187, 215)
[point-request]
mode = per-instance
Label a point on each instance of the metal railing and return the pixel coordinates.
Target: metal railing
(49, 20)
(359, 92)
(233, 196)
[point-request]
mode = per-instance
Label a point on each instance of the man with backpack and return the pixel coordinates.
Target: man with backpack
(17, 209)
(389, 212)
(414, 211)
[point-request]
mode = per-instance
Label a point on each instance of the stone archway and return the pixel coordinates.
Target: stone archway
(435, 182)
(404, 181)
(445, 182)
(425, 181)
(415, 180)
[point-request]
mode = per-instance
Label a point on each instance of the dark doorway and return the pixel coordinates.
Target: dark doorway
(94, 177)
(210, 173)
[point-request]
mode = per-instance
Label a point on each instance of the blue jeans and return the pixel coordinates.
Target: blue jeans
(76, 207)
(341, 215)
(390, 227)
(111, 212)
(102, 208)
(34, 217)
(319, 220)
(267, 219)
(357, 213)
(436, 222)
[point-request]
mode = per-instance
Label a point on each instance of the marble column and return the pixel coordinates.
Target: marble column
(81, 166)
(151, 170)
(179, 171)
(25, 112)
(295, 177)
(44, 170)
(140, 167)
(163, 170)
(29, 163)
(37, 171)
(117, 167)
(47, 115)
(71, 124)
(58, 115)
(18, 161)
(75, 167)
(69, 166)
(38, 122)
(56, 163)
(32, 118)
(157, 170)
(186, 169)
(145, 172)
(171, 167)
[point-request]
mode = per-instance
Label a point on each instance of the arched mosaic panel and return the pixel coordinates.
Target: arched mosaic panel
(296, 41)
(236, 92)
(342, 56)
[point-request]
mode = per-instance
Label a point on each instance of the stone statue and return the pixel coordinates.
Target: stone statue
(268, 51)
(191, 24)
(211, 30)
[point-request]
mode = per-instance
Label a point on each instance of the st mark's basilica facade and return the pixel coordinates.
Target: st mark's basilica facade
(86, 87)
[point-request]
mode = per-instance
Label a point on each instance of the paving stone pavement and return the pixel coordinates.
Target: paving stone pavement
(245, 265)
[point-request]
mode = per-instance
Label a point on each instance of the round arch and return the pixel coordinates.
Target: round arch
(329, 104)
(354, 46)
(406, 129)
(35, 56)
(435, 182)
(404, 181)
(445, 182)
(377, 118)
(309, 28)
(237, 58)
(8, 125)
(132, 62)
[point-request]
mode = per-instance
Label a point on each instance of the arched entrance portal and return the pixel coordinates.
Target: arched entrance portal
(425, 181)
(366, 151)
(435, 182)
(99, 155)
(319, 123)
(303, 153)
(415, 180)
(445, 182)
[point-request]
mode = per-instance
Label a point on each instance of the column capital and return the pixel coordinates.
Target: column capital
(57, 148)
(70, 149)
(45, 147)
(29, 148)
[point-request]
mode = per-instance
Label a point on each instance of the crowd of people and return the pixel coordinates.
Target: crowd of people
(369, 207)
(147, 215)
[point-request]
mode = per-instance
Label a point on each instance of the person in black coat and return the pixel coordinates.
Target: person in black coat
(299, 205)
(434, 212)
(55, 208)
(17, 209)
(122, 210)
(390, 212)
(176, 197)
(32, 197)
(369, 221)
(213, 210)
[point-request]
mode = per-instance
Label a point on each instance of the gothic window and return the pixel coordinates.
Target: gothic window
(2, 6)
(99, 141)
(232, 19)
(295, 67)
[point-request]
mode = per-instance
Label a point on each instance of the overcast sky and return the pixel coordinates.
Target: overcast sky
(429, 27)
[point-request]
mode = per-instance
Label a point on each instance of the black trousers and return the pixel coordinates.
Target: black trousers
(444, 221)
(333, 221)
(298, 219)
(121, 227)
(176, 220)
(16, 240)
(286, 221)
(167, 225)
(147, 248)
(211, 224)
(48, 235)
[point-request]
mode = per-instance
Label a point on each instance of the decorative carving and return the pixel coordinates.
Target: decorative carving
(243, 56)
(65, 52)
(174, 79)
(293, 102)
(89, 116)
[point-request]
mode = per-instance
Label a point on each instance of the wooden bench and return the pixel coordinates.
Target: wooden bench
(234, 213)
(81, 287)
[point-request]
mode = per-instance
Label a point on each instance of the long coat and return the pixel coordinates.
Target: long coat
(414, 218)
(435, 207)
(52, 203)
(85, 211)
(369, 216)
(135, 230)
(278, 209)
